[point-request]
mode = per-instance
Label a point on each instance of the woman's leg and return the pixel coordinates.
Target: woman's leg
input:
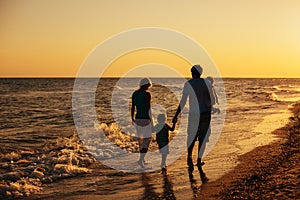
(144, 149)
(142, 153)
(140, 142)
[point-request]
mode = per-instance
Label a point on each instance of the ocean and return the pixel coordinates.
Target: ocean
(45, 155)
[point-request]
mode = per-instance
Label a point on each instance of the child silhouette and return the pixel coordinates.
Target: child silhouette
(215, 99)
(162, 138)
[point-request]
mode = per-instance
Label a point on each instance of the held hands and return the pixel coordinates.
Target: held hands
(215, 110)
(153, 129)
(174, 120)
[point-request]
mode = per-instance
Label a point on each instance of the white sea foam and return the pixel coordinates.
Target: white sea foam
(26, 171)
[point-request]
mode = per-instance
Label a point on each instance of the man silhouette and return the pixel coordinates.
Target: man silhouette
(199, 92)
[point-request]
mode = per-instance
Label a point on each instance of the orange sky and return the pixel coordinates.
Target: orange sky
(52, 38)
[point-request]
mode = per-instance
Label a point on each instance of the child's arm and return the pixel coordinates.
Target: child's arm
(171, 128)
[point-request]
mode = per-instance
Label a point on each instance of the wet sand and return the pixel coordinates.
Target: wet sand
(267, 172)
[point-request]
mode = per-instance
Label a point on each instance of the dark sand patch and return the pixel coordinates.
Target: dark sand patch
(267, 172)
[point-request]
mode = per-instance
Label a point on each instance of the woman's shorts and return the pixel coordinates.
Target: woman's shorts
(143, 128)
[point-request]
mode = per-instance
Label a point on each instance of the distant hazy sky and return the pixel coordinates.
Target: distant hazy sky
(245, 38)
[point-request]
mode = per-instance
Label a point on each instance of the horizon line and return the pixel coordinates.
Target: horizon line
(73, 77)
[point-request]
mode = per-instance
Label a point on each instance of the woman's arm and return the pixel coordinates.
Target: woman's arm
(148, 106)
(148, 100)
(132, 109)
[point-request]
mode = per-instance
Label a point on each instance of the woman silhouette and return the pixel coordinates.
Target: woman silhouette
(141, 101)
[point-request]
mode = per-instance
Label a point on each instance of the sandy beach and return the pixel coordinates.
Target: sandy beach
(267, 172)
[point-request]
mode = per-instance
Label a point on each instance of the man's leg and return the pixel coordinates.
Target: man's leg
(204, 127)
(201, 146)
(203, 177)
(199, 159)
(190, 153)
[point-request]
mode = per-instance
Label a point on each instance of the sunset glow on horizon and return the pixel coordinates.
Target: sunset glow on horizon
(244, 38)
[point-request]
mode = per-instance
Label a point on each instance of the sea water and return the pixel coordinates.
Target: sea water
(39, 144)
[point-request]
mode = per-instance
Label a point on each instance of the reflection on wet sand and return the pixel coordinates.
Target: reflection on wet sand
(194, 186)
(168, 188)
(149, 189)
(197, 189)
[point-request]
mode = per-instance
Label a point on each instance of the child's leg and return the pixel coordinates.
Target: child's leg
(163, 160)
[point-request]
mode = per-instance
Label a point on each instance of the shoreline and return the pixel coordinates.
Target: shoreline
(267, 172)
(257, 176)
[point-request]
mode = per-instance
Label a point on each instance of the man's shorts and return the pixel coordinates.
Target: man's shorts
(198, 126)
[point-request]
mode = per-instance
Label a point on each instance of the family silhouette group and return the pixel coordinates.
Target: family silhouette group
(201, 96)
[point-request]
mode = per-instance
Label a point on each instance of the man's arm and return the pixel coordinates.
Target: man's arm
(180, 107)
